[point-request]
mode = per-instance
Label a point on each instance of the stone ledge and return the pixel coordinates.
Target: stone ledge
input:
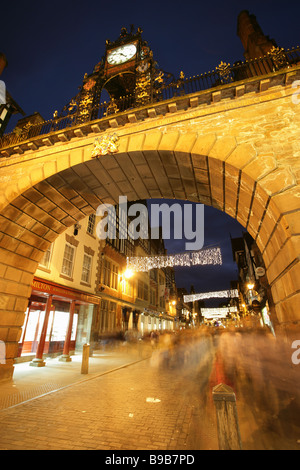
(212, 96)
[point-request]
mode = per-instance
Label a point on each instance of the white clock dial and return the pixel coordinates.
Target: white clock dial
(121, 54)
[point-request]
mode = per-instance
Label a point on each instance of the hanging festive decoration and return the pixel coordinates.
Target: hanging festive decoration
(202, 257)
(210, 313)
(210, 295)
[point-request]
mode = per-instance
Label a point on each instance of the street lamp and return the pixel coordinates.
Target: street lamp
(128, 273)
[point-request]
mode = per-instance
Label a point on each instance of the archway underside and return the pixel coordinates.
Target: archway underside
(34, 219)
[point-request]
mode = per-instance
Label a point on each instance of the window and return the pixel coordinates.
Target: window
(110, 274)
(162, 302)
(152, 297)
(91, 224)
(112, 316)
(86, 269)
(106, 273)
(68, 260)
(103, 315)
(142, 290)
(114, 277)
(127, 288)
(45, 262)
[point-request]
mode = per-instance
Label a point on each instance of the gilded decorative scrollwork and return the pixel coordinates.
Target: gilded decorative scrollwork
(105, 145)
(224, 71)
(112, 108)
(278, 57)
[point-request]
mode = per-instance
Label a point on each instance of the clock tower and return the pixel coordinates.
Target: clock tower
(127, 72)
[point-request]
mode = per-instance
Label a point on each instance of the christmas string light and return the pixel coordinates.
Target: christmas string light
(217, 312)
(209, 295)
(202, 257)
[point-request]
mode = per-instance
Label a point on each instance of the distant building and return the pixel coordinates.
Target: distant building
(254, 291)
(10, 107)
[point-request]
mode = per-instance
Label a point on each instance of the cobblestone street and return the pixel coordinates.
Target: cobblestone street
(154, 400)
(137, 407)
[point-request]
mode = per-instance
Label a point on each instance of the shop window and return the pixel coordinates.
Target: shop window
(86, 269)
(68, 260)
(103, 315)
(112, 315)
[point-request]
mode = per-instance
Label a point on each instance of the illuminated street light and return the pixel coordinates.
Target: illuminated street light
(128, 273)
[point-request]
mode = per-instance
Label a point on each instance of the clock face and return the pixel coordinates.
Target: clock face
(121, 54)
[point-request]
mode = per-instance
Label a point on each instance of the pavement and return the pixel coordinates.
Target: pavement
(129, 401)
(125, 402)
(32, 382)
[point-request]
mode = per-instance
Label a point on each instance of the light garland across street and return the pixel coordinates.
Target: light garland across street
(211, 295)
(210, 313)
(202, 257)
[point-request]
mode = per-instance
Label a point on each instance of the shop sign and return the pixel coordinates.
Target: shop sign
(260, 271)
(60, 291)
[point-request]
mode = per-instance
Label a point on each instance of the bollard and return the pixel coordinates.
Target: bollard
(227, 418)
(85, 359)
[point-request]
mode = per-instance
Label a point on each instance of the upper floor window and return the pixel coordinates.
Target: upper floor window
(86, 269)
(142, 290)
(45, 262)
(68, 260)
(91, 224)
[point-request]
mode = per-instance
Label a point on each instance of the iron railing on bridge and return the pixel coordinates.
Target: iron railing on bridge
(223, 74)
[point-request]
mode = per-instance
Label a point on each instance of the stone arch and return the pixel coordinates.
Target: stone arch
(47, 194)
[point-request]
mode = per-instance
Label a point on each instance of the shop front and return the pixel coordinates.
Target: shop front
(151, 320)
(58, 321)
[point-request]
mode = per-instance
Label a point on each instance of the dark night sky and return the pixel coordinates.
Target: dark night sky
(51, 45)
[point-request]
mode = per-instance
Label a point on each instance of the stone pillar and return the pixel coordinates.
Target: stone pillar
(85, 359)
(66, 352)
(38, 361)
(227, 418)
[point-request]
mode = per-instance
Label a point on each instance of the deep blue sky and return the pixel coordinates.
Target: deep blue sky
(51, 45)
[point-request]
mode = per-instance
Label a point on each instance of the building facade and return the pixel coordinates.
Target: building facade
(255, 296)
(82, 293)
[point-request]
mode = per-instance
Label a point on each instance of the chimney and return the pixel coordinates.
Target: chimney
(255, 43)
